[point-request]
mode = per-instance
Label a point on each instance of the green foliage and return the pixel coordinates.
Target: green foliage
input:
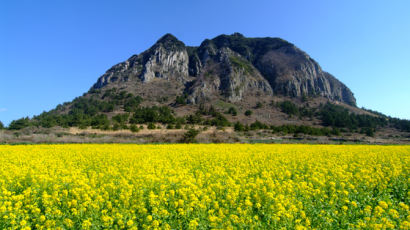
(239, 127)
(287, 129)
(189, 136)
(248, 113)
(232, 111)
(181, 100)
(259, 105)
(19, 124)
(258, 125)
(219, 120)
(151, 126)
(207, 111)
(240, 63)
(134, 128)
(162, 114)
(132, 104)
(116, 127)
(100, 122)
(400, 124)
(1, 125)
(288, 107)
(338, 116)
(121, 118)
(194, 118)
(368, 131)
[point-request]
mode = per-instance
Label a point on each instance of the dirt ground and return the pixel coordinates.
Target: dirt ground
(206, 135)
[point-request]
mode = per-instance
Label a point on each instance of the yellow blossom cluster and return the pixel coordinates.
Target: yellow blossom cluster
(202, 186)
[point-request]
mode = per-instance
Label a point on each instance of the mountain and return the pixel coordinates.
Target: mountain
(228, 67)
(229, 81)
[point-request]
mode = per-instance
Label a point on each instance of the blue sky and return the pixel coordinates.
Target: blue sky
(52, 51)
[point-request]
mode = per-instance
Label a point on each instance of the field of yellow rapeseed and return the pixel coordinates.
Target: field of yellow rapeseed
(204, 186)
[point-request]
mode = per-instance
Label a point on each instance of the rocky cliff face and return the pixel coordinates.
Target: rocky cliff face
(230, 67)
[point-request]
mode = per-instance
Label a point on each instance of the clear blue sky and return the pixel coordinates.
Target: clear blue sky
(52, 51)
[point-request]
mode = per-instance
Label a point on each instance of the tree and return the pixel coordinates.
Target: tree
(1, 125)
(19, 124)
(289, 108)
(248, 112)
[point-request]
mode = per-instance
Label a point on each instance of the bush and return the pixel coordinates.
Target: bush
(134, 128)
(232, 111)
(116, 127)
(239, 127)
(189, 136)
(259, 105)
(181, 100)
(248, 112)
(151, 126)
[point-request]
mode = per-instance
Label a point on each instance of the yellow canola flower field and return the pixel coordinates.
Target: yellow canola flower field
(204, 186)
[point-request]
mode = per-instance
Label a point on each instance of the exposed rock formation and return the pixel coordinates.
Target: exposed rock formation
(230, 67)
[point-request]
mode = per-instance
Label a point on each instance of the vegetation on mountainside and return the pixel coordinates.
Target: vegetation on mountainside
(114, 109)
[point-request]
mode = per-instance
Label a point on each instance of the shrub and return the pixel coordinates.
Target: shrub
(178, 126)
(189, 136)
(134, 128)
(151, 126)
(239, 127)
(248, 112)
(232, 111)
(181, 100)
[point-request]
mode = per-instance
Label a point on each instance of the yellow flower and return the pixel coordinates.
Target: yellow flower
(383, 204)
(42, 218)
(130, 223)
(149, 218)
(23, 223)
(86, 224)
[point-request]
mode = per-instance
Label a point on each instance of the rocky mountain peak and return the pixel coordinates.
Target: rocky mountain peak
(169, 41)
(231, 68)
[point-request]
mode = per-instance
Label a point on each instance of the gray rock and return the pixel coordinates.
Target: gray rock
(231, 67)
